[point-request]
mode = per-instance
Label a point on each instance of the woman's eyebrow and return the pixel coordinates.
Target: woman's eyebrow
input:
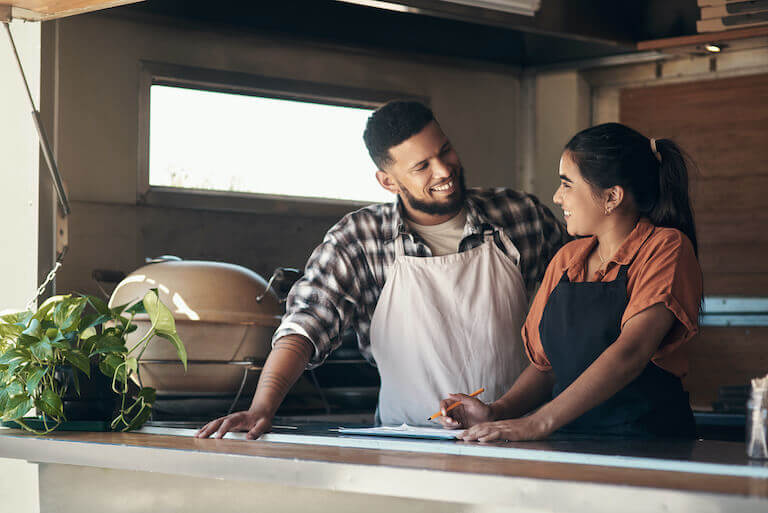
(565, 179)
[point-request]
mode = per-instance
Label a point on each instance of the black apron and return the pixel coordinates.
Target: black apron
(579, 322)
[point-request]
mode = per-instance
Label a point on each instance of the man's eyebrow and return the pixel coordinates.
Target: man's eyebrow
(418, 164)
(445, 145)
(565, 179)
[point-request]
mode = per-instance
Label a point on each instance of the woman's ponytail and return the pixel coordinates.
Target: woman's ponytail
(673, 204)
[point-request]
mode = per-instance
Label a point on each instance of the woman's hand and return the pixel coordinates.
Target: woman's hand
(471, 411)
(525, 428)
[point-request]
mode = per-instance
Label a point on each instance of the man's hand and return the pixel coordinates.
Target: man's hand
(525, 428)
(254, 422)
(471, 411)
(284, 365)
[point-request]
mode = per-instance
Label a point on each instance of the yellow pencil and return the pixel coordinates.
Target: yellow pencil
(454, 405)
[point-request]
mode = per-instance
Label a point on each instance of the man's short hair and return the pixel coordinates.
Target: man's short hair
(391, 124)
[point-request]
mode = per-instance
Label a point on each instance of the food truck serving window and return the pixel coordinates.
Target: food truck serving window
(228, 134)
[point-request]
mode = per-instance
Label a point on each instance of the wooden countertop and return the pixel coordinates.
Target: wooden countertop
(301, 460)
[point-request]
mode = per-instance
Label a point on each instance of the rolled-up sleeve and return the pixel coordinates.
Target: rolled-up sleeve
(669, 274)
(321, 304)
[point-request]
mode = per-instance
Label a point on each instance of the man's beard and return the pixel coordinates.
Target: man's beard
(436, 207)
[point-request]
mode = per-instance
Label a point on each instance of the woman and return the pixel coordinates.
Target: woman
(607, 328)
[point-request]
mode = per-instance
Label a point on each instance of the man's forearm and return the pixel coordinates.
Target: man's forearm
(532, 389)
(285, 364)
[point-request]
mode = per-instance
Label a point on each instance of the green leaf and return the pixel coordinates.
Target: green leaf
(67, 313)
(10, 330)
(88, 333)
(99, 305)
(17, 407)
(26, 341)
(148, 394)
(47, 306)
(161, 317)
(79, 360)
(91, 320)
(112, 366)
(18, 318)
(137, 308)
(178, 344)
(42, 350)
(8, 391)
(50, 403)
(141, 417)
(34, 380)
(131, 365)
(13, 355)
(62, 344)
(131, 328)
(34, 329)
(108, 344)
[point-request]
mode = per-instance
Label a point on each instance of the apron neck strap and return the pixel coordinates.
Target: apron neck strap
(622, 272)
(399, 249)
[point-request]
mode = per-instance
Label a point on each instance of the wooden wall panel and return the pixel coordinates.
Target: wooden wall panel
(724, 356)
(723, 126)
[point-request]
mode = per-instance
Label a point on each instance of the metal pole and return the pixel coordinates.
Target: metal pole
(44, 146)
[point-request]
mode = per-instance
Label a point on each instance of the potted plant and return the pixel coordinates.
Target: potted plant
(59, 351)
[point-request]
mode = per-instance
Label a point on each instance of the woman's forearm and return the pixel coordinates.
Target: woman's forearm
(531, 389)
(615, 368)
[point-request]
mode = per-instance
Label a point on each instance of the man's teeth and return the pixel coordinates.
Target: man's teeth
(443, 187)
(566, 213)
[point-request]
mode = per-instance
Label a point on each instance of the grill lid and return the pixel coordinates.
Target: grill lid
(203, 291)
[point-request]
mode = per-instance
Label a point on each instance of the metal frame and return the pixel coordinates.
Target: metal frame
(154, 73)
(734, 311)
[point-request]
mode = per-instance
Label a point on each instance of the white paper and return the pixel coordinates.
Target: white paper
(404, 430)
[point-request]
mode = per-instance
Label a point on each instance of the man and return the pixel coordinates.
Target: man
(448, 320)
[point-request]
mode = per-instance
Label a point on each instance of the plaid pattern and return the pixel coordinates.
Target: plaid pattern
(345, 274)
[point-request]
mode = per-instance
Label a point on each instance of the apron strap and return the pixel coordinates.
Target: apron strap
(509, 247)
(622, 272)
(399, 249)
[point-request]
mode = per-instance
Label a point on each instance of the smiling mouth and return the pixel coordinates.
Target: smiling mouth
(566, 213)
(446, 187)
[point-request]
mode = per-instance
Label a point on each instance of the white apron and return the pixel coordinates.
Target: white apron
(448, 324)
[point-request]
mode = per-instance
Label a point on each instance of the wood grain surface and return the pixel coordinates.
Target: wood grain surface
(721, 484)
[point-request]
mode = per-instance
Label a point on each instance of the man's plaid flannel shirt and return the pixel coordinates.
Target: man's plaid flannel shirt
(345, 274)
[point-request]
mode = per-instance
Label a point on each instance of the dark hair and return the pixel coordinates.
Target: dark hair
(392, 124)
(614, 154)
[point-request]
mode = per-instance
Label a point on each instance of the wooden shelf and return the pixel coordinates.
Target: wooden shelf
(42, 10)
(700, 39)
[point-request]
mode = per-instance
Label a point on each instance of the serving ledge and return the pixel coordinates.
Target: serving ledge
(314, 469)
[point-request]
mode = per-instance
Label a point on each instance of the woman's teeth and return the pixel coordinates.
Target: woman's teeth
(566, 213)
(444, 187)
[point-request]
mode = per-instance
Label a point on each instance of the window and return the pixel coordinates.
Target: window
(213, 134)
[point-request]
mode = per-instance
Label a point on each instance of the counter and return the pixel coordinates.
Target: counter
(310, 468)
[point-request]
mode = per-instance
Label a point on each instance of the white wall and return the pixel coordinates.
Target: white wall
(18, 218)
(562, 109)
(18, 167)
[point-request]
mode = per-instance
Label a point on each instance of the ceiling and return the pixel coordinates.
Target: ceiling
(562, 31)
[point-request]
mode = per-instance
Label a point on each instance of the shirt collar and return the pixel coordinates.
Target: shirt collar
(476, 221)
(623, 256)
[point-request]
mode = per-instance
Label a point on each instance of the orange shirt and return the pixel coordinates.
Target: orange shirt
(663, 269)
